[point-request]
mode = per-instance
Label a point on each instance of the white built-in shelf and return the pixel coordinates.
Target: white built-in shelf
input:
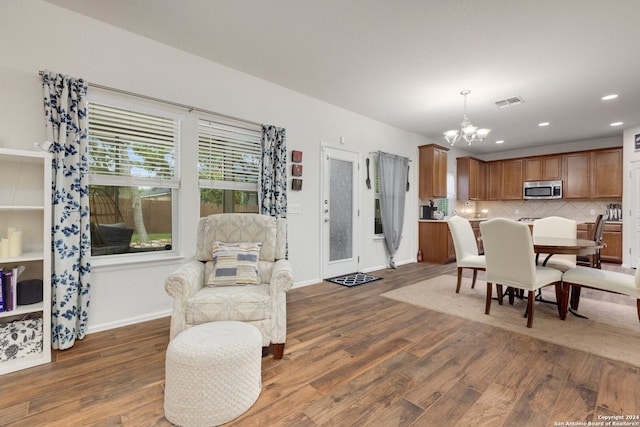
(25, 204)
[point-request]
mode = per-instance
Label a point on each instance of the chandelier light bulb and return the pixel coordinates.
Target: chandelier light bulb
(467, 131)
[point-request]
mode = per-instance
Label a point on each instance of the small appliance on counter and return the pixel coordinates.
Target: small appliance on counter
(427, 211)
(614, 212)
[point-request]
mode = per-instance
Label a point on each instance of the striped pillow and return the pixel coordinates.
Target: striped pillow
(235, 264)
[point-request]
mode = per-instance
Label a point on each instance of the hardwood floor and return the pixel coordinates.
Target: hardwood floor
(352, 358)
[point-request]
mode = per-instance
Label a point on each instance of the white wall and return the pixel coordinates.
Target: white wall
(35, 36)
(630, 235)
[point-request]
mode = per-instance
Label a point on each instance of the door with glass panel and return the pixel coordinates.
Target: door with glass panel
(339, 212)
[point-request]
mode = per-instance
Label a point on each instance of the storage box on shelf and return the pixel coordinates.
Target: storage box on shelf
(25, 206)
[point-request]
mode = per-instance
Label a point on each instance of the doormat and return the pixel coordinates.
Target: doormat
(354, 279)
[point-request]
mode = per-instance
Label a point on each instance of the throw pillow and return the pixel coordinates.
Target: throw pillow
(235, 264)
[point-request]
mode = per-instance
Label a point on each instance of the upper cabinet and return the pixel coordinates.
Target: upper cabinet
(471, 179)
(543, 168)
(433, 172)
(606, 179)
(593, 174)
(512, 179)
(577, 173)
(494, 180)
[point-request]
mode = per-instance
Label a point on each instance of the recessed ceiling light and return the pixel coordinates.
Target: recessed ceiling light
(499, 141)
(543, 124)
(609, 97)
(616, 124)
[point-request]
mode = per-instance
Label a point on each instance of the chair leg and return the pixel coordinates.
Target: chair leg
(511, 295)
(459, 280)
(473, 282)
(278, 350)
(499, 292)
(575, 297)
(532, 297)
(487, 307)
(638, 306)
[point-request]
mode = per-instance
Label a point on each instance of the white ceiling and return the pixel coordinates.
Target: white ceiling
(404, 62)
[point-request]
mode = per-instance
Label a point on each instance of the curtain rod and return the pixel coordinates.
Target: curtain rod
(190, 108)
(375, 153)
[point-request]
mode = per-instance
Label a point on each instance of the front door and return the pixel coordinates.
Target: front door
(340, 211)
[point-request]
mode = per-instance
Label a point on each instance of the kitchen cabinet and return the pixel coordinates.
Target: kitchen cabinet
(606, 174)
(512, 179)
(471, 179)
(494, 180)
(577, 174)
(432, 182)
(435, 242)
(543, 168)
(611, 236)
(593, 174)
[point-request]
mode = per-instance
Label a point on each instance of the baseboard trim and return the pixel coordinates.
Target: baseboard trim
(128, 321)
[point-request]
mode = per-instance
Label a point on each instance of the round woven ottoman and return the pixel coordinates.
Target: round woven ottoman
(212, 373)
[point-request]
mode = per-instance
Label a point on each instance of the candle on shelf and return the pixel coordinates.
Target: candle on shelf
(4, 248)
(15, 244)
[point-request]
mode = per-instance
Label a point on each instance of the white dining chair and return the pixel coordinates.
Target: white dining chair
(508, 248)
(555, 226)
(464, 241)
(602, 280)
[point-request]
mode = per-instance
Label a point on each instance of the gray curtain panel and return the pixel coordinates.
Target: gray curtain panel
(392, 176)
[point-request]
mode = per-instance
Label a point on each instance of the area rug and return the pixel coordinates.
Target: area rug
(354, 279)
(611, 330)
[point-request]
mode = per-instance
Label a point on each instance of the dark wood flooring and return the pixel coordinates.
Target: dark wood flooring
(352, 358)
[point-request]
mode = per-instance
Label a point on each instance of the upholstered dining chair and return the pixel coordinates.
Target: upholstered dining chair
(602, 280)
(464, 241)
(555, 226)
(508, 248)
(239, 272)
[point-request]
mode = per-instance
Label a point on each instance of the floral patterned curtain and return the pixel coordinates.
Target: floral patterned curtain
(65, 109)
(272, 184)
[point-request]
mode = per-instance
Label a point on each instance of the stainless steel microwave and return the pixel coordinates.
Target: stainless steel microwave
(542, 190)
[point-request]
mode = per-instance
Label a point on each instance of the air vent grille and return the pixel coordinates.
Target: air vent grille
(508, 102)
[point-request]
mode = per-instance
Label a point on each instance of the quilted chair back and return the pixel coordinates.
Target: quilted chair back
(508, 247)
(242, 228)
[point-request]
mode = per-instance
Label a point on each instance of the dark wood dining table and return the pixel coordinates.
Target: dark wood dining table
(563, 245)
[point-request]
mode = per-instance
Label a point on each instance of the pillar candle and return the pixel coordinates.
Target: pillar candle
(4, 248)
(15, 244)
(10, 231)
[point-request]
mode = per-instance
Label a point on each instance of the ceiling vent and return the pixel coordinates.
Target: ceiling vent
(508, 102)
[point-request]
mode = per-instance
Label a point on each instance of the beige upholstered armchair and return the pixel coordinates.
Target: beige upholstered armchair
(205, 290)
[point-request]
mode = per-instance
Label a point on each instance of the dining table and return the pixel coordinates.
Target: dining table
(550, 246)
(562, 245)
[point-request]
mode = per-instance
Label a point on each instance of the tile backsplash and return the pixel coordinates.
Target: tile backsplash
(573, 209)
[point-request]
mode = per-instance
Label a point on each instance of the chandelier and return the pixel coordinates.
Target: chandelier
(469, 132)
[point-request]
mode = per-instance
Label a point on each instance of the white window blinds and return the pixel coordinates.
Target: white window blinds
(132, 147)
(228, 156)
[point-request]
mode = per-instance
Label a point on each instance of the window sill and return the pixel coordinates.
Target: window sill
(128, 260)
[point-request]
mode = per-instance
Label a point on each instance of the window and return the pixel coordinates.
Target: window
(229, 160)
(133, 178)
